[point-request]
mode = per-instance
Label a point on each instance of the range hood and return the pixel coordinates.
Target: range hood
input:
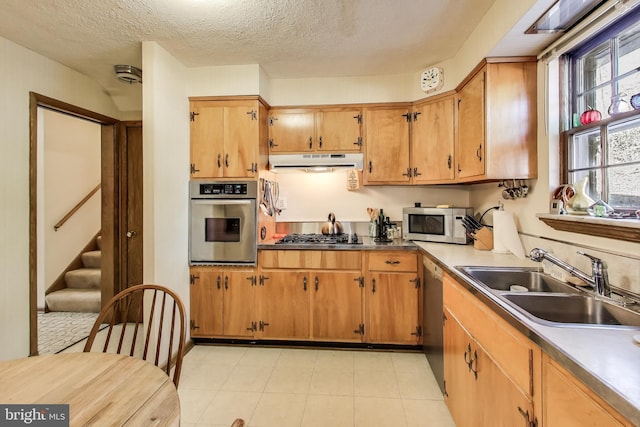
(315, 162)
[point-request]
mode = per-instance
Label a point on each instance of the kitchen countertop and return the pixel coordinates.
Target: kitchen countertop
(605, 359)
(368, 244)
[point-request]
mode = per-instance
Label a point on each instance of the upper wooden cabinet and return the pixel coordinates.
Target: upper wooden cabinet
(303, 130)
(386, 135)
(228, 138)
(496, 136)
(433, 130)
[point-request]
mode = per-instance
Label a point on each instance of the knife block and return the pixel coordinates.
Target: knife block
(483, 239)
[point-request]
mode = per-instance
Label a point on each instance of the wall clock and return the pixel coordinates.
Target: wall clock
(432, 79)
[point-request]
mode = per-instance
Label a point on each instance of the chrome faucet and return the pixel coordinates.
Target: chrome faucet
(599, 278)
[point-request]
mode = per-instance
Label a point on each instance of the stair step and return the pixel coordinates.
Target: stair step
(92, 259)
(83, 278)
(79, 300)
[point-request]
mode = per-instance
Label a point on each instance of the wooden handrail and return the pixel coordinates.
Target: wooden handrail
(76, 207)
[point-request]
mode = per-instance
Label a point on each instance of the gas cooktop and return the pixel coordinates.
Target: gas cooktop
(320, 239)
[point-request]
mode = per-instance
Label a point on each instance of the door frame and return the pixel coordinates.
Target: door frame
(110, 172)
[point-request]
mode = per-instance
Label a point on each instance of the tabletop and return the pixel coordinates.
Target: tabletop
(100, 388)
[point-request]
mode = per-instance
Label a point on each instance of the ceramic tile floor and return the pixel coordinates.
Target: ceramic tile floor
(282, 387)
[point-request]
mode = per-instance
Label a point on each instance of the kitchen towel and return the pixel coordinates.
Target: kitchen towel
(505, 235)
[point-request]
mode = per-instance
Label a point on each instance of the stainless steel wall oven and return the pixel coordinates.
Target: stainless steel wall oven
(223, 223)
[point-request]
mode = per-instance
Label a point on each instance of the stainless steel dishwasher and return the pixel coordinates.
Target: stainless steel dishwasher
(432, 321)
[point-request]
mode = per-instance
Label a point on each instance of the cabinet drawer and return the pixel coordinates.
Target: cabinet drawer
(393, 261)
(514, 353)
(330, 260)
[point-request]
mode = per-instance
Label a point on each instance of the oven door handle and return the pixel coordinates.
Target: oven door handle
(221, 202)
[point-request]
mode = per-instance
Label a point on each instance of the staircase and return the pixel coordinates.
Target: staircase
(82, 293)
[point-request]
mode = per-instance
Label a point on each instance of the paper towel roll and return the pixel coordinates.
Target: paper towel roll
(505, 234)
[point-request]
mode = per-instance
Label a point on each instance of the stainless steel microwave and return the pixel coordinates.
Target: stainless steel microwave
(435, 224)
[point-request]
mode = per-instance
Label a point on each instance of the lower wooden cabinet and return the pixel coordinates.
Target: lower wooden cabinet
(478, 393)
(283, 305)
(495, 376)
(312, 295)
(569, 403)
(222, 302)
(336, 306)
(393, 292)
(488, 367)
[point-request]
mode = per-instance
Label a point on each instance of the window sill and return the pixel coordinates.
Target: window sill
(619, 229)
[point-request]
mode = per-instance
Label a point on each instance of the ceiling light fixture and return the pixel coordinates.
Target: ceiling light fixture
(128, 73)
(562, 15)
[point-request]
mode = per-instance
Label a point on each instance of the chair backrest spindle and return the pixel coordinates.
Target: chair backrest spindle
(128, 307)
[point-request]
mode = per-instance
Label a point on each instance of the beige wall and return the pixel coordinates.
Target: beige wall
(166, 170)
(71, 169)
(310, 197)
(21, 71)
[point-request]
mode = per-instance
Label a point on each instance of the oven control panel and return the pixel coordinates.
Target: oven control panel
(221, 189)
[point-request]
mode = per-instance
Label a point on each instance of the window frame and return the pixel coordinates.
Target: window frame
(569, 77)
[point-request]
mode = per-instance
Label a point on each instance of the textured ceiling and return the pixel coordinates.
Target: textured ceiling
(288, 38)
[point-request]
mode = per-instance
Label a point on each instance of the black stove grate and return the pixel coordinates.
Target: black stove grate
(320, 239)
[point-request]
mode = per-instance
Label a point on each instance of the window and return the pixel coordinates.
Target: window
(605, 76)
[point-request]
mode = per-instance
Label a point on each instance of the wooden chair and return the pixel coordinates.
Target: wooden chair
(238, 423)
(132, 315)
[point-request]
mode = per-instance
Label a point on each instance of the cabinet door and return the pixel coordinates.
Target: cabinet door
(241, 129)
(392, 304)
(207, 141)
(206, 299)
(460, 389)
(432, 142)
(477, 391)
(471, 148)
(339, 131)
(336, 306)
(239, 300)
(291, 132)
(501, 402)
(387, 146)
(568, 403)
(283, 303)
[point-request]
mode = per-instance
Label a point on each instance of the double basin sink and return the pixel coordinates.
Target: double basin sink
(546, 300)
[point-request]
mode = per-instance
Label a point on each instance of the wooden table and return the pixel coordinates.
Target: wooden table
(100, 388)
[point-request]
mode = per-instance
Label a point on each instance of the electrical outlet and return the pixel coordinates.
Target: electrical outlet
(282, 203)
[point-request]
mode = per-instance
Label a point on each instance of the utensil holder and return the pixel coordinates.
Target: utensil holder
(483, 239)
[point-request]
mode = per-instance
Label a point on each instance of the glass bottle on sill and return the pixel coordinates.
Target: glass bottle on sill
(373, 228)
(619, 104)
